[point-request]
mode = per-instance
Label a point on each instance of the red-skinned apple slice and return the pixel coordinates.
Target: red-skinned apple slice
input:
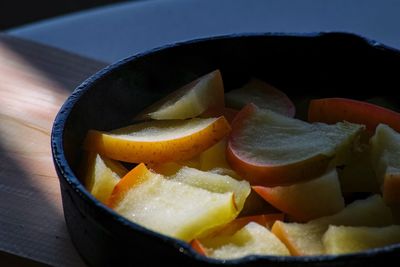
(270, 149)
(261, 94)
(332, 110)
(306, 200)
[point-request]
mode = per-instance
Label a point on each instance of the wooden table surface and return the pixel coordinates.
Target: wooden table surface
(34, 82)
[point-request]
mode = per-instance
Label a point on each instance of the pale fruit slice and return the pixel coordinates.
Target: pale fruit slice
(214, 183)
(270, 149)
(214, 157)
(306, 239)
(253, 239)
(358, 175)
(101, 175)
(206, 92)
(170, 207)
(347, 239)
(385, 157)
(306, 200)
(262, 95)
(158, 141)
(266, 220)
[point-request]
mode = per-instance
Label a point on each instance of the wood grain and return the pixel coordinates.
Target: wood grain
(34, 82)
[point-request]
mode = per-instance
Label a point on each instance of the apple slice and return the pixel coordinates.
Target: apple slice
(214, 157)
(358, 174)
(193, 99)
(101, 174)
(306, 239)
(270, 149)
(170, 207)
(266, 220)
(332, 110)
(347, 239)
(306, 200)
(214, 183)
(253, 239)
(262, 95)
(385, 155)
(158, 141)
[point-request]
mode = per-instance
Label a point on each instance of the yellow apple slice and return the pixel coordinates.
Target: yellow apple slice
(204, 93)
(306, 239)
(214, 183)
(385, 151)
(252, 239)
(270, 149)
(170, 207)
(101, 175)
(306, 200)
(347, 239)
(158, 141)
(262, 95)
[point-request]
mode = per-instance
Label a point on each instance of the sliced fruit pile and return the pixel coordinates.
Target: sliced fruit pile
(236, 174)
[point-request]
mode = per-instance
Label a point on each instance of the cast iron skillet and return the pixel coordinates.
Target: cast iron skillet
(321, 64)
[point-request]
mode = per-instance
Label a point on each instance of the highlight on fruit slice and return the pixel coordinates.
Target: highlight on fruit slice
(193, 99)
(306, 200)
(385, 158)
(101, 174)
(262, 95)
(332, 110)
(170, 207)
(306, 239)
(270, 149)
(214, 183)
(252, 239)
(158, 141)
(347, 239)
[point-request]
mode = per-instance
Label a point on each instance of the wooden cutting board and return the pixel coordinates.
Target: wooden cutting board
(34, 82)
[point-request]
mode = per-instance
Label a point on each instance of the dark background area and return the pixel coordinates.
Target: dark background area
(14, 13)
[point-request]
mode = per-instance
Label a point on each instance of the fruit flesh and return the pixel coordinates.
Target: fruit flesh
(252, 239)
(346, 239)
(306, 239)
(306, 200)
(385, 156)
(193, 99)
(158, 141)
(270, 149)
(101, 175)
(170, 207)
(261, 94)
(214, 183)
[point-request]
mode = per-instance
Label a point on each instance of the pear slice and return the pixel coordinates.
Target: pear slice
(348, 239)
(252, 239)
(270, 149)
(158, 141)
(306, 239)
(307, 200)
(101, 174)
(170, 207)
(193, 99)
(385, 157)
(262, 95)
